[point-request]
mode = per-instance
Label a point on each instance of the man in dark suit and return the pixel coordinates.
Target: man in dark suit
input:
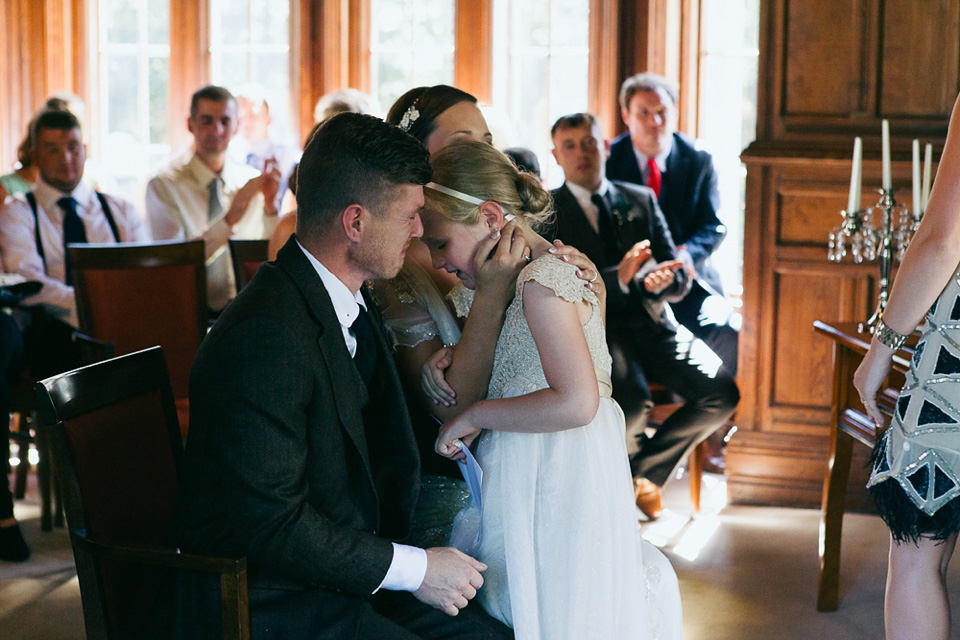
(619, 226)
(301, 456)
(654, 154)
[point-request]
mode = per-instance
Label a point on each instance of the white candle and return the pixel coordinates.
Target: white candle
(853, 202)
(927, 162)
(885, 139)
(915, 189)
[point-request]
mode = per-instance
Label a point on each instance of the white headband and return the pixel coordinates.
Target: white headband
(459, 195)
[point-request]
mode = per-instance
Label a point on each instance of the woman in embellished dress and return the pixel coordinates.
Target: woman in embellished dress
(558, 527)
(916, 470)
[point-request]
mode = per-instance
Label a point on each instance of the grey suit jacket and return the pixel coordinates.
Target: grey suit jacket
(291, 460)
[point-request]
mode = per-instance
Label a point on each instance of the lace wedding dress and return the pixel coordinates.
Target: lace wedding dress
(559, 528)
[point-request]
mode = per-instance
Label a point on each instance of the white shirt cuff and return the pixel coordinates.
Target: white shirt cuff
(407, 569)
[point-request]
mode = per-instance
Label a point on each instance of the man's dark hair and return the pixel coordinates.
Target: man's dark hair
(573, 121)
(524, 159)
(646, 82)
(209, 92)
(429, 102)
(53, 119)
(353, 158)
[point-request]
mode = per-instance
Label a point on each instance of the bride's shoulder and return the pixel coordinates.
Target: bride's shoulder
(555, 274)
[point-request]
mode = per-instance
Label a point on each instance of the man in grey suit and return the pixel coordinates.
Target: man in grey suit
(301, 455)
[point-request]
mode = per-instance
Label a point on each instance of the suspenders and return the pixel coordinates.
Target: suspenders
(32, 200)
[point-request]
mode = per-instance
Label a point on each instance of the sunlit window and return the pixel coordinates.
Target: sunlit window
(541, 54)
(133, 73)
(411, 44)
(250, 48)
(728, 115)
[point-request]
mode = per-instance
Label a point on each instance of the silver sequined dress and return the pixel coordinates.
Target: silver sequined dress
(921, 449)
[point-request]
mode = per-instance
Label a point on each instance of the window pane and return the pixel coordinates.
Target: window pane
(122, 94)
(231, 21)
(121, 20)
(411, 44)
(271, 22)
(158, 22)
(159, 91)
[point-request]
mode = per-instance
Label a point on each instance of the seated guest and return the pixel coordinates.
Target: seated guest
(35, 228)
(211, 197)
(619, 226)
(524, 159)
(655, 154)
(313, 476)
(255, 146)
(12, 545)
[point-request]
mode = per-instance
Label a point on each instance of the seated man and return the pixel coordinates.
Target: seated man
(36, 226)
(619, 226)
(210, 197)
(654, 154)
(301, 455)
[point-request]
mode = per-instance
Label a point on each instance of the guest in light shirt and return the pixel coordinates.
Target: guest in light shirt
(211, 197)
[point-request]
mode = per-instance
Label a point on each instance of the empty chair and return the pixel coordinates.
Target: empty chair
(113, 429)
(247, 256)
(140, 295)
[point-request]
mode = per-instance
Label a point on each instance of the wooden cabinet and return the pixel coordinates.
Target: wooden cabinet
(828, 71)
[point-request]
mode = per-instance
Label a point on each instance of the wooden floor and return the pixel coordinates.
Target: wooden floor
(745, 573)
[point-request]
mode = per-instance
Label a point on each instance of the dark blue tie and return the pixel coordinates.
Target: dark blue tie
(607, 230)
(365, 357)
(73, 231)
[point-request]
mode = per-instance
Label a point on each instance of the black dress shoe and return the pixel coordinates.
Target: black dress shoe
(12, 545)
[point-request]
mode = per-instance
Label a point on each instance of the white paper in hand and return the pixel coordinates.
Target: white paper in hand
(466, 526)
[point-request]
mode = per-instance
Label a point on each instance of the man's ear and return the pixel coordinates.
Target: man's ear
(625, 115)
(190, 125)
(492, 215)
(353, 219)
(554, 152)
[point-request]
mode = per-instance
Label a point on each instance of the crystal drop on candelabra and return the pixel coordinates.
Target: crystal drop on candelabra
(835, 245)
(857, 246)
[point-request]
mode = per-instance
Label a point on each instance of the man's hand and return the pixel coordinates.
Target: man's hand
(241, 200)
(433, 377)
(586, 270)
(452, 580)
(632, 261)
(662, 276)
(270, 186)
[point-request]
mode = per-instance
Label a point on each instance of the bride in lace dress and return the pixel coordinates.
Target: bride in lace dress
(559, 529)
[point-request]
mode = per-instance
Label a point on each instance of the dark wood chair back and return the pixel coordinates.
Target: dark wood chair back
(247, 256)
(140, 295)
(113, 429)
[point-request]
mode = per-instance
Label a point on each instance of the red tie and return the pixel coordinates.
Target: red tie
(653, 176)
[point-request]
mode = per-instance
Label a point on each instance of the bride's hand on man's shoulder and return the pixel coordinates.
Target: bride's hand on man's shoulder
(433, 377)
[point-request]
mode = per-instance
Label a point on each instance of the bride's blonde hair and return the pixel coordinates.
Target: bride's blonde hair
(477, 169)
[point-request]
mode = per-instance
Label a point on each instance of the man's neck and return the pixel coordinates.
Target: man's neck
(214, 162)
(336, 259)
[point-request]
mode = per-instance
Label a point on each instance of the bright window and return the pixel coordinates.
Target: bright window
(133, 71)
(411, 44)
(540, 70)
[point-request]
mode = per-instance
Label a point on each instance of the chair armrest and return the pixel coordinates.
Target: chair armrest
(233, 575)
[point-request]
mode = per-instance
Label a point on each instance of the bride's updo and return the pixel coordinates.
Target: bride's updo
(479, 170)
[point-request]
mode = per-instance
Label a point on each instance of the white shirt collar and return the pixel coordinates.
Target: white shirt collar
(583, 196)
(47, 195)
(202, 174)
(346, 304)
(660, 158)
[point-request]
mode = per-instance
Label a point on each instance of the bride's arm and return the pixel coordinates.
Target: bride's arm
(572, 396)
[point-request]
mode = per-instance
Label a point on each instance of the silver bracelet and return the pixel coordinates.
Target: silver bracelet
(888, 336)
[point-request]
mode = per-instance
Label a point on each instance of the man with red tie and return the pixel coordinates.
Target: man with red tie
(653, 153)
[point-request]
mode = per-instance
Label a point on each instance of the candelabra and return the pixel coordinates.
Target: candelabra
(873, 235)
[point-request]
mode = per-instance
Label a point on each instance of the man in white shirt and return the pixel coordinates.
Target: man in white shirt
(314, 476)
(36, 227)
(210, 197)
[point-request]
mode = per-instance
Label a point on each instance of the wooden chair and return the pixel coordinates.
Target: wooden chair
(113, 429)
(140, 295)
(247, 256)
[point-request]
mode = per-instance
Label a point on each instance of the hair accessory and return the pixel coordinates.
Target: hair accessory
(409, 117)
(459, 195)
(886, 335)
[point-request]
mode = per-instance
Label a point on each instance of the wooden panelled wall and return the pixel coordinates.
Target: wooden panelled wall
(829, 71)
